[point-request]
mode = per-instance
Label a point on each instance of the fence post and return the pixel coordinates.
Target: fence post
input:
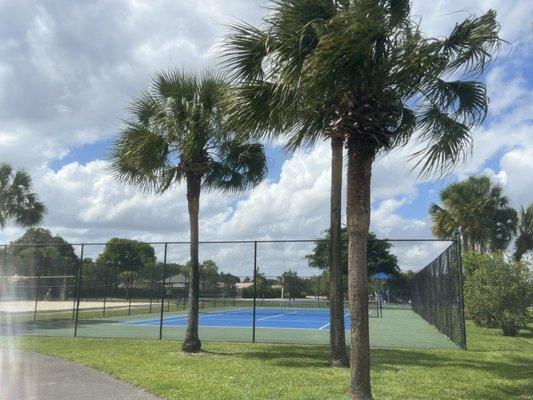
(37, 295)
(78, 291)
(254, 291)
(461, 294)
(130, 284)
(2, 273)
(151, 291)
(163, 292)
(2, 269)
(106, 266)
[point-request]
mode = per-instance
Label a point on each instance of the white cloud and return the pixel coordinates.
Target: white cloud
(517, 167)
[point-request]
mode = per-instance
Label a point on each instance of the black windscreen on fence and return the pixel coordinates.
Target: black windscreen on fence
(438, 295)
(258, 291)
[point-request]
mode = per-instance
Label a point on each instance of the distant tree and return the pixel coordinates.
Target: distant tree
(121, 255)
(524, 238)
(127, 279)
(209, 277)
(293, 285)
(380, 259)
(229, 281)
(476, 208)
(39, 253)
(18, 203)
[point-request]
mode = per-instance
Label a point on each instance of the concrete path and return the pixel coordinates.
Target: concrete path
(32, 376)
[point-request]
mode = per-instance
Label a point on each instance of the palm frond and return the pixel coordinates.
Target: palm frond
(443, 224)
(139, 156)
(524, 239)
(467, 100)
(471, 44)
(448, 142)
(403, 133)
(244, 51)
(399, 11)
(18, 203)
(239, 166)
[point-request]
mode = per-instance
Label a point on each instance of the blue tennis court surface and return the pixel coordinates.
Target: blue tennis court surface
(300, 318)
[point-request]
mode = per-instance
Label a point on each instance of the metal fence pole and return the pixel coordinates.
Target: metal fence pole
(130, 284)
(254, 292)
(163, 293)
(106, 266)
(37, 296)
(78, 291)
(3, 268)
(151, 291)
(461, 294)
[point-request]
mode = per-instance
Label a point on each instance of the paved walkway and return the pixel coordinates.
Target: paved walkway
(32, 376)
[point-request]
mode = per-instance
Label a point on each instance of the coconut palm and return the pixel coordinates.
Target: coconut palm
(18, 203)
(478, 210)
(524, 238)
(176, 132)
(364, 70)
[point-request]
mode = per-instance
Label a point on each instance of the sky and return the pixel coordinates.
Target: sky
(68, 70)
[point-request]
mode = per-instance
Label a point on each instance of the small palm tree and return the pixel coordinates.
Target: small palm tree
(477, 209)
(177, 133)
(18, 203)
(524, 239)
(365, 70)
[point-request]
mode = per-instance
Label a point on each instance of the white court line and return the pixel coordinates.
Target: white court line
(166, 319)
(277, 315)
(324, 326)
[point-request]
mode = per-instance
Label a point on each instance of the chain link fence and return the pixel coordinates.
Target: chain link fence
(257, 291)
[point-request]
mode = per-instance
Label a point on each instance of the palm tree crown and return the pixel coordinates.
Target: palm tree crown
(479, 210)
(17, 201)
(363, 70)
(177, 130)
(524, 238)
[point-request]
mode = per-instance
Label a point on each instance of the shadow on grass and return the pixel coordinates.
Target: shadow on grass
(43, 326)
(505, 365)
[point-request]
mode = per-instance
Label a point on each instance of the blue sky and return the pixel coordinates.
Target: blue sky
(68, 70)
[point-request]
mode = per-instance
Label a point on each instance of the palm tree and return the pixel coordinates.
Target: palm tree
(18, 203)
(176, 133)
(255, 110)
(477, 209)
(365, 70)
(524, 239)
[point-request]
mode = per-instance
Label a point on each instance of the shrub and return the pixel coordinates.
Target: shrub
(497, 292)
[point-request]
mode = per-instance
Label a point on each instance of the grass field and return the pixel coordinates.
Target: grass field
(494, 367)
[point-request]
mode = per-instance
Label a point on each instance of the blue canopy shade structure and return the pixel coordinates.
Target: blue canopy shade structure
(381, 276)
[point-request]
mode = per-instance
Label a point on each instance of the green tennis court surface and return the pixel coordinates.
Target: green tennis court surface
(397, 328)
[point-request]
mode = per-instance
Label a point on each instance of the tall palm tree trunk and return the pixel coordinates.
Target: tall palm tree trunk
(338, 357)
(358, 212)
(192, 341)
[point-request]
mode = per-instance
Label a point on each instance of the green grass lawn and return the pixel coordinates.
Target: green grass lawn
(494, 367)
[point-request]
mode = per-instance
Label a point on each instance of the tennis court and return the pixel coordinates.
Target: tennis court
(279, 298)
(266, 317)
(397, 327)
